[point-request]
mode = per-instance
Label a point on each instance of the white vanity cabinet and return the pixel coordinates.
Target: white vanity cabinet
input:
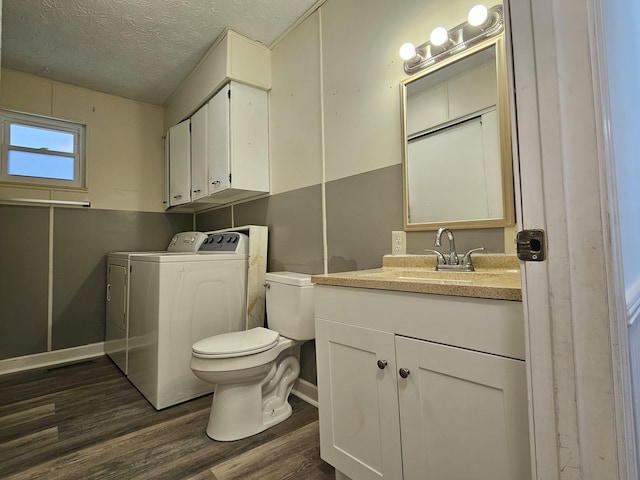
(418, 386)
(179, 164)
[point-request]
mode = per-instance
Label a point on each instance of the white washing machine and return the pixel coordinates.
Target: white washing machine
(175, 300)
(117, 310)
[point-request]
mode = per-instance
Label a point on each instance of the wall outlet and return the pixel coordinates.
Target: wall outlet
(398, 243)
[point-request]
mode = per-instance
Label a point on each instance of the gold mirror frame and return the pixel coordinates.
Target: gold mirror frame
(504, 128)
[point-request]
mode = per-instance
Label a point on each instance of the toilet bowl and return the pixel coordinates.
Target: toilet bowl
(254, 370)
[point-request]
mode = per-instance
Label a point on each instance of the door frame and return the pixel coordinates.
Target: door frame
(577, 365)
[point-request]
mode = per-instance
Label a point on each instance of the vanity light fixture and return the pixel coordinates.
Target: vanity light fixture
(482, 23)
(479, 17)
(440, 37)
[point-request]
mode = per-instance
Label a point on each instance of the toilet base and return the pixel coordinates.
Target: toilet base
(245, 409)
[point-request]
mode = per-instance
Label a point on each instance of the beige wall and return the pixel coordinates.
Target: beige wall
(346, 53)
(295, 129)
(335, 101)
(125, 150)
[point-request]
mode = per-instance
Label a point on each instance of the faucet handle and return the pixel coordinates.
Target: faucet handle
(466, 260)
(440, 257)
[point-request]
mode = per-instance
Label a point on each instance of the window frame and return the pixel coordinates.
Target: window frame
(8, 118)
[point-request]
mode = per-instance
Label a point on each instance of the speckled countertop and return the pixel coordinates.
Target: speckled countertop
(495, 276)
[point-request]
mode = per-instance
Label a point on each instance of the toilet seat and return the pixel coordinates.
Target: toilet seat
(237, 344)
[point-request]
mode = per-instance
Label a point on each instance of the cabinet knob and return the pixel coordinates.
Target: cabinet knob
(404, 372)
(382, 364)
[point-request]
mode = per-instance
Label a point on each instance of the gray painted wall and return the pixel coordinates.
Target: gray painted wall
(81, 240)
(24, 259)
(294, 220)
(362, 211)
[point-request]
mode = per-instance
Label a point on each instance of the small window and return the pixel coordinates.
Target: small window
(42, 151)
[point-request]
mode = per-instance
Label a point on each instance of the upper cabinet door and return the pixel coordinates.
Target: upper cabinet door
(249, 138)
(219, 149)
(179, 164)
(199, 153)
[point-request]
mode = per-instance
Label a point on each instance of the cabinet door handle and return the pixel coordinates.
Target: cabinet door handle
(177, 196)
(404, 372)
(382, 364)
(196, 191)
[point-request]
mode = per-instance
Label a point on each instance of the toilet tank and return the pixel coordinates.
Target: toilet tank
(290, 305)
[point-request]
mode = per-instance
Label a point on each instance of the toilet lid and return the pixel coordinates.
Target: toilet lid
(236, 344)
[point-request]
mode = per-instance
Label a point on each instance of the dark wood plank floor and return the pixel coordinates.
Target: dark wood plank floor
(86, 421)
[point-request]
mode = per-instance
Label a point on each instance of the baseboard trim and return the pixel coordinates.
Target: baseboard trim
(306, 391)
(47, 359)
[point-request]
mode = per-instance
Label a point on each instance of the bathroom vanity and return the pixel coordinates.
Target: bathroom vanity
(421, 374)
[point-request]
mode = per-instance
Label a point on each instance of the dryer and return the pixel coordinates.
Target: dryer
(117, 305)
(175, 300)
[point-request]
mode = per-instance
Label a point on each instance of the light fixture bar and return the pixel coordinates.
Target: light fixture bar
(459, 37)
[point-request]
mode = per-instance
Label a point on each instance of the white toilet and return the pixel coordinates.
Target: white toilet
(254, 370)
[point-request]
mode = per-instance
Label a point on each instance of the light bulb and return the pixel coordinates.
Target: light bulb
(439, 36)
(478, 15)
(407, 51)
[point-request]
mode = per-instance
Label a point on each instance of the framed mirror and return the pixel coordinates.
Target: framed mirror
(457, 167)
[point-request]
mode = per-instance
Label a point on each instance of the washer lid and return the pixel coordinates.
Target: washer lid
(236, 344)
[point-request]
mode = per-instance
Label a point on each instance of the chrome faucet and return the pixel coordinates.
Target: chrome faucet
(452, 263)
(453, 256)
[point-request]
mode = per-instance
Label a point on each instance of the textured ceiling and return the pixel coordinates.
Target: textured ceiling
(138, 49)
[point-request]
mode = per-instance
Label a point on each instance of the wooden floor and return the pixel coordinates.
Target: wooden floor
(86, 421)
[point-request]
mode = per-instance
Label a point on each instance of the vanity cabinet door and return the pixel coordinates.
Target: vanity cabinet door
(463, 414)
(358, 397)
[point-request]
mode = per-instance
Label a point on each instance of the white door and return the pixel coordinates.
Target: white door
(199, 154)
(359, 422)
(218, 132)
(575, 364)
(180, 164)
(463, 413)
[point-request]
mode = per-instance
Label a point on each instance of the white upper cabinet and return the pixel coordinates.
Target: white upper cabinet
(199, 149)
(229, 148)
(219, 141)
(238, 135)
(179, 164)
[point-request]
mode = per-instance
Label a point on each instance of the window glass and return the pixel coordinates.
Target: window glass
(29, 164)
(41, 138)
(42, 151)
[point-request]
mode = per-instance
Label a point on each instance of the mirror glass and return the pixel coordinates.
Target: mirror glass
(457, 148)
